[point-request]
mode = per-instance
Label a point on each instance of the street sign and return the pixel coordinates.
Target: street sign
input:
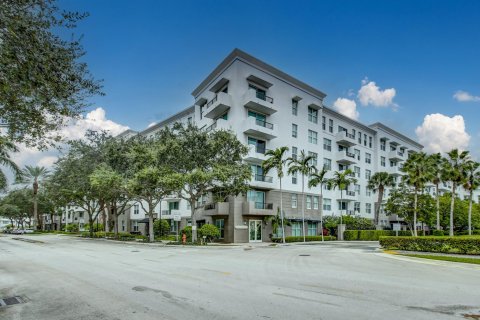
(177, 217)
(396, 227)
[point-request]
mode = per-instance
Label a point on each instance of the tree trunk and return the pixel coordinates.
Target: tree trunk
(415, 214)
(151, 235)
(281, 210)
(90, 221)
(321, 210)
(303, 207)
(194, 222)
(379, 203)
(59, 224)
(115, 222)
(437, 206)
(452, 205)
(470, 214)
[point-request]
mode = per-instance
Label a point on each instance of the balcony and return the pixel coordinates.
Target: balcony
(444, 187)
(257, 101)
(349, 195)
(216, 208)
(395, 170)
(396, 155)
(219, 124)
(252, 208)
(256, 154)
(217, 106)
(261, 181)
(346, 157)
(259, 128)
(345, 138)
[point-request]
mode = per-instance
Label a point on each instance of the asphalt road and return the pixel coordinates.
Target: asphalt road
(68, 278)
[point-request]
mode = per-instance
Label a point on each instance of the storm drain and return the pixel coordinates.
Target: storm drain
(304, 255)
(11, 301)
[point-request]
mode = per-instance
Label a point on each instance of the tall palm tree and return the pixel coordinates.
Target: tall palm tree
(303, 165)
(455, 173)
(437, 164)
(6, 148)
(277, 161)
(33, 175)
(417, 174)
(319, 178)
(378, 182)
(342, 180)
(471, 184)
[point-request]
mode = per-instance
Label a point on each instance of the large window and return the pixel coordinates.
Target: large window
(260, 145)
(357, 189)
(368, 174)
(295, 130)
(312, 137)
(294, 200)
(368, 192)
(296, 229)
(359, 137)
(327, 164)
(324, 123)
(357, 171)
(382, 145)
(382, 161)
(356, 207)
(258, 197)
(314, 158)
(136, 209)
(327, 204)
(312, 228)
(327, 144)
(294, 177)
(309, 202)
(220, 224)
(312, 115)
(330, 125)
(357, 153)
(315, 202)
(368, 207)
(368, 157)
(294, 107)
(294, 153)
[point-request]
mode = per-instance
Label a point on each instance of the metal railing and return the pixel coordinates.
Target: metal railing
(350, 193)
(166, 212)
(263, 96)
(209, 103)
(262, 205)
(210, 206)
(263, 178)
(264, 124)
(211, 127)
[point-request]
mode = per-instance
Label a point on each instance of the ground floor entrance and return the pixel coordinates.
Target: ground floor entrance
(255, 230)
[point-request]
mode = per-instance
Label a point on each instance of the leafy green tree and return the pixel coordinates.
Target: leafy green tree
(455, 173)
(318, 178)
(417, 174)
(205, 162)
(341, 181)
(378, 182)
(437, 166)
(276, 160)
(276, 222)
(161, 228)
(472, 182)
(303, 165)
(6, 149)
(43, 81)
(34, 175)
(22, 200)
(210, 232)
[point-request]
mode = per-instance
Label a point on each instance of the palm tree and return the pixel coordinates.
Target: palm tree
(342, 180)
(318, 178)
(437, 164)
(455, 173)
(303, 165)
(417, 174)
(471, 184)
(277, 161)
(378, 182)
(33, 175)
(7, 147)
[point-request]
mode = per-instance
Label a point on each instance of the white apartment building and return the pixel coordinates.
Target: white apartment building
(266, 109)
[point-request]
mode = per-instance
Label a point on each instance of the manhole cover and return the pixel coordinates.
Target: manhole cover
(304, 255)
(135, 250)
(11, 301)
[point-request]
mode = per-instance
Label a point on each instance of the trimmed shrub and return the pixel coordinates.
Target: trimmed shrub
(209, 231)
(96, 227)
(141, 238)
(300, 239)
(71, 227)
(161, 228)
(438, 233)
(168, 238)
(465, 233)
(371, 235)
(463, 245)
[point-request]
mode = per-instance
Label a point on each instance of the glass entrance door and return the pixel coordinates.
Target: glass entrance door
(255, 230)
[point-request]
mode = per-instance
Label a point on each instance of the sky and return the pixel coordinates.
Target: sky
(413, 65)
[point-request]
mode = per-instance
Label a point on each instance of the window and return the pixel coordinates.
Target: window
(123, 225)
(327, 164)
(368, 174)
(294, 177)
(359, 137)
(315, 202)
(382, 145)
(357, 189)
(364, 139)
(368, 157)
(312, 228)
(258, 197)
(312, 115)
(296, 229)
(294, 130)
(312, 136)
(369, 142)
(314, 155)
(327, 144)
(356, 170)
(294, 107)
(393, 163)
(382, 161)
(173, 226)
(136, 209)
(294, 153)
(357, 153)
(135, 225)
(294, 200)
(261, 118)
(220, 224)
(368, 192)
(324, 123)
(368, 208)
(356, 207)
(354, 133)
(342, 205)
(330, 125)
(327, 204)
(260, 145)
(309, 202)
(80, 214)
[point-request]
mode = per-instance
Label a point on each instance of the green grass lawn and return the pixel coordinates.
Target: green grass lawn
(444, 258)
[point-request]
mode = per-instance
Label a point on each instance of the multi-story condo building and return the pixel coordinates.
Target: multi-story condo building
(266, 109)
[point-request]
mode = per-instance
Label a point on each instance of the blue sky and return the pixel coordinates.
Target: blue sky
(152, 54)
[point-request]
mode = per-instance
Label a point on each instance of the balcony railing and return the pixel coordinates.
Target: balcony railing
(262, 205)
(165, 212)
(264, 124)
(211, 127)
(350, 193)
(209, 103)
(259, 149)
(260, 177)
(349, 135)
(261, 95)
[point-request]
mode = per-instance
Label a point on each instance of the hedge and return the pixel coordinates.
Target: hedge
(463, 245)
(122, 236)
(371, 235)
(307, 238)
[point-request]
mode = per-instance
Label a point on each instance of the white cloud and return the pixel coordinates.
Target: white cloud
(346, 107)
(464, 96)
(440, 133)
(371, 94)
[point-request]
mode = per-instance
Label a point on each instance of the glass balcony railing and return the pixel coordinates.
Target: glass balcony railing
(263, 96)
(350, 193)
(264, 124)
(262, 205)
(262, 178)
